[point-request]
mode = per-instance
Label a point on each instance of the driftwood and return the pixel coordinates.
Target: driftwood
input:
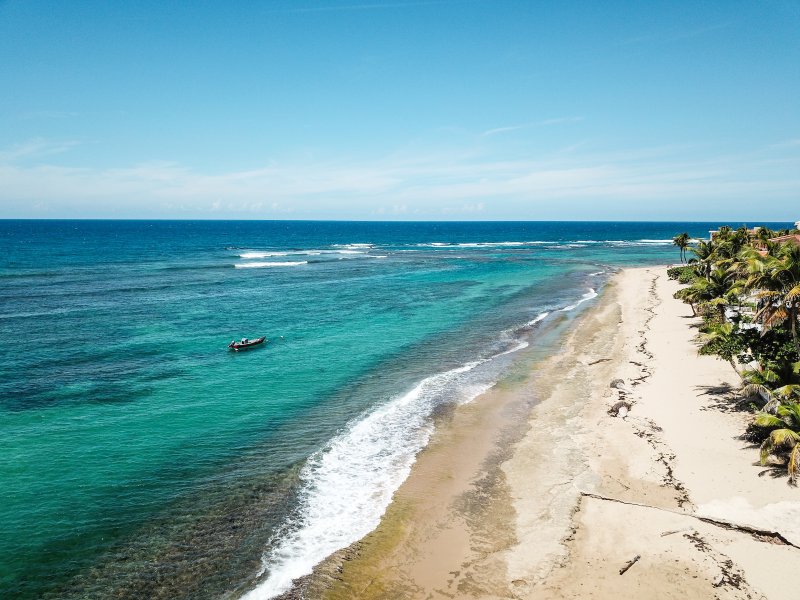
(599, 360)
(666, 533)
(631, 562)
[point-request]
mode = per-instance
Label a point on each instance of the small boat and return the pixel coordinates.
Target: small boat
(246, 344)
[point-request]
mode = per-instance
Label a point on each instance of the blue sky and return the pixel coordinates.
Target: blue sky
(360, 109)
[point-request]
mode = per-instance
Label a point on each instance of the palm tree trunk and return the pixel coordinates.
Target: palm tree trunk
(793, 317)
(735, 368)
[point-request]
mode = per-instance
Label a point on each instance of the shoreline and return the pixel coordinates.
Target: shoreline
(553, 499)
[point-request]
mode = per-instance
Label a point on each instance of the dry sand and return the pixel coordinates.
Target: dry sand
(555, 500)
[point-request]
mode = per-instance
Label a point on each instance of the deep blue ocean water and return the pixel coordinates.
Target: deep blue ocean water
(142, 459)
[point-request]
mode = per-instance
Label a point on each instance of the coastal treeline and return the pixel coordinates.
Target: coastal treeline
(745, 285)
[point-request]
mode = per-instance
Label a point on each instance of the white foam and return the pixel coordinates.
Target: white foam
(479, 244)
(596, 273)
(540, 317)
(641, 243)
(263, 265)
(347, 486)
(261, 254)
(309, 252)
(587, 296)
(521, 345)
(353, 245)
(500, 244)
(317, 252)
(470, 392)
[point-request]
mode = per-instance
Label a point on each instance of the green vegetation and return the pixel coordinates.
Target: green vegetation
(682, 242)
(746, 288)
(682, 274)
(784, 436)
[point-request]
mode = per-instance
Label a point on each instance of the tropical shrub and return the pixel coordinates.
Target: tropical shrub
(683, 274)
(783, 440)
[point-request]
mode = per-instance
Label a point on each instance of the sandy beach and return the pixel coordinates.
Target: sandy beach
(539, 490)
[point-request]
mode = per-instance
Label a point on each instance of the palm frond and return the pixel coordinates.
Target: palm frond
(783, 438)
(756, 389)
(794, 293)
(764, 419)
(790, 413)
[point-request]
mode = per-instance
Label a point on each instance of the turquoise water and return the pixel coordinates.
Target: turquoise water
(144, 459)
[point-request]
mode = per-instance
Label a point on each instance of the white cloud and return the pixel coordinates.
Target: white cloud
(463, 183)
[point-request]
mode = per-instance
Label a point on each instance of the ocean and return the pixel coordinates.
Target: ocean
(143, 459)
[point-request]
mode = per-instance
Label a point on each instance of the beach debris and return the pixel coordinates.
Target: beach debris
(599, 360)
(629, 564)
(666, 533)
(620, 409)
(622, 389)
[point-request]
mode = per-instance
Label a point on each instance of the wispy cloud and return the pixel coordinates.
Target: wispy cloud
(543, 123)
(674, 35)
(35, 148)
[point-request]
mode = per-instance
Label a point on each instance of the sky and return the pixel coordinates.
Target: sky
(400, 110)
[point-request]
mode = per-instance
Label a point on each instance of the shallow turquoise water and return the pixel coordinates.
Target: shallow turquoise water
(143, 459)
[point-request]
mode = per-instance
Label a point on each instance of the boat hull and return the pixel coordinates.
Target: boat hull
(238, 346)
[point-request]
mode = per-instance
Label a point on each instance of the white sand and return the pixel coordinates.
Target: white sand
(638, 484)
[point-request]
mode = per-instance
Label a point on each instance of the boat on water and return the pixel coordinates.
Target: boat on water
(246, 344)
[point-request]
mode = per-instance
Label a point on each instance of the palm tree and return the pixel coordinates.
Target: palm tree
(784, 437)
(682, 242)
(776, 279)
(705, 253)
(724, 341)
(714, 291)
(724, 232)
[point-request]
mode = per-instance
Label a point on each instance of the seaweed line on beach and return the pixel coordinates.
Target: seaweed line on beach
(664, 456)
(648, 429)
(730, 575)
(650, 307)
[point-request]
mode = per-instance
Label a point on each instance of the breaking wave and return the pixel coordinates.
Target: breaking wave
(264, 265)
(347, 485)
(587, 296)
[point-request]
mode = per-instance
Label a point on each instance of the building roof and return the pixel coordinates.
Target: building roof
(794, 238)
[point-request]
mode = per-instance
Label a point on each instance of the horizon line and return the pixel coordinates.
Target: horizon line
(137, 219)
